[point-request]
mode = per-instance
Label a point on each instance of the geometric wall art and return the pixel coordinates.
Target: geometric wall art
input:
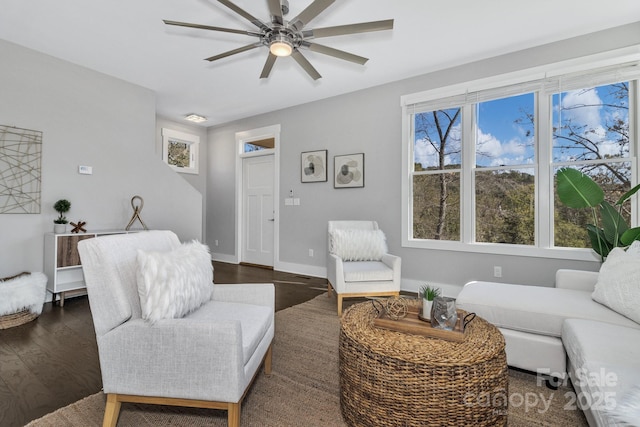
(20, 170)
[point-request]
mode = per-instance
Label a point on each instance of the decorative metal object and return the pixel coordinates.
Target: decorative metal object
(136, 213)
(395, 308)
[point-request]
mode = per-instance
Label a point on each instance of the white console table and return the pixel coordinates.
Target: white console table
(62, 262)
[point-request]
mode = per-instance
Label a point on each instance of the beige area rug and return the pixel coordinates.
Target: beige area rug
(303, 389)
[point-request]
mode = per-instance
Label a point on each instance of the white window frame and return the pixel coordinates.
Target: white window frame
(544, 183)
(193, 141)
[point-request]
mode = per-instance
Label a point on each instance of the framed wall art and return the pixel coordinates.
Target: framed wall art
(20, 170)
(313, 166)
(348, 171)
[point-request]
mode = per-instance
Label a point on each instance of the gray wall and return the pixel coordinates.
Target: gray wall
(87, 118)
(369, 121)
(197, 181)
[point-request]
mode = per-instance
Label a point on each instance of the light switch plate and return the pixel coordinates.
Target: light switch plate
(85, 170)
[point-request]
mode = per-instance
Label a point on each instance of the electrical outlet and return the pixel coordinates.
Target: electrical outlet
(216, 242)
(497, 271)
(311, 252)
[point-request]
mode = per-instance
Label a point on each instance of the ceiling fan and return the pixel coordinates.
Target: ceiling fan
(286, 38)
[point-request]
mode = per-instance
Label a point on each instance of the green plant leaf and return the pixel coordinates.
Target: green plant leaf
(577, 190)
(628, 194)
(613, 224)
(629, 236)
(598, 241)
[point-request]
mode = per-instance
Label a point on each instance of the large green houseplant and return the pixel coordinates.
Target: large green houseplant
(609, 229)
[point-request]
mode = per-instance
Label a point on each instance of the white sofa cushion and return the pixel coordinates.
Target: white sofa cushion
(254, 321)
(174, 283)
(627, 409)
(604, 358)
(618, 284)
(535, 309)
(366, 271)
(358, 245)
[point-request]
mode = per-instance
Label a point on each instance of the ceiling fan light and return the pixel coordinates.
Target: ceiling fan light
(280, 46)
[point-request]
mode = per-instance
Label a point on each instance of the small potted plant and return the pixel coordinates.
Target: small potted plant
(428, 294)
(62, 206)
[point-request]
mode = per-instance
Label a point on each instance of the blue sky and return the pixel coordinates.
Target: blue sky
(506, 138)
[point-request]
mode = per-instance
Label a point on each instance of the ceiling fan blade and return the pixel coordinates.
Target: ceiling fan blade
(246, 15)
(313, 10)
(271, 59)
(275, 9)
(234, 51)
(302, 61)
(208, 27)
(341, 54)
(341, 30)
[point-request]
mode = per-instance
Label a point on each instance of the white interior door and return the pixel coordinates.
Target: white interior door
(258, 215)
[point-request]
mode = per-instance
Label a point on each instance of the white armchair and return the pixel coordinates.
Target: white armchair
(207, 358)
(358, 263)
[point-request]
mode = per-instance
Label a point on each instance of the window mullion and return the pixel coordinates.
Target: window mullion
(467, 207)
(634, 96)
(544, 175)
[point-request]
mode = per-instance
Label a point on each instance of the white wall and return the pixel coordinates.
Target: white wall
(369, 121)
(87, 118)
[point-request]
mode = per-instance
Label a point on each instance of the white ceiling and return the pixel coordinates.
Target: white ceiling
(127, 39)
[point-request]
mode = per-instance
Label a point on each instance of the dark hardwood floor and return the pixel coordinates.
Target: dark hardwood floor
(53, 361)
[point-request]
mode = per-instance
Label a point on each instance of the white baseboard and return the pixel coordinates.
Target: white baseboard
(307, 270)
(231, 259)
(448, 290)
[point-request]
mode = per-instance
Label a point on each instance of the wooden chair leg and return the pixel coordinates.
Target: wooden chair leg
(339, 304)
(267, 361)
(233, 416)
(329, 290)
(111, 411)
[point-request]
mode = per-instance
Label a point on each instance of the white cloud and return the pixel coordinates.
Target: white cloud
(512, 152)
(583, 107)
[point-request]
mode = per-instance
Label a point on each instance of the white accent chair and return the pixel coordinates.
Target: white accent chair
(206, 359)
(368, 276)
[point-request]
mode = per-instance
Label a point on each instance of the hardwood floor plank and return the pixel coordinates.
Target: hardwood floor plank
(21, 389)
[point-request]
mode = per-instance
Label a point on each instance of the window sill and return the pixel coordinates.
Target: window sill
(573, 254)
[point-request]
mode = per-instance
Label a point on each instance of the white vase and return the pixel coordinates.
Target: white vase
(59, 228)
(426, 308)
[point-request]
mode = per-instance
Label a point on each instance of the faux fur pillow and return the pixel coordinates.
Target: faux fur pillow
(172, 284)
(618, 285)
(358, 245)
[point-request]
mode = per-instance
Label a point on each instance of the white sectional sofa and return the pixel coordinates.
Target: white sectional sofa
(557, 330)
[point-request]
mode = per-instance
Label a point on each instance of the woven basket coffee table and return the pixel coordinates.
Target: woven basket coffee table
(390, 378)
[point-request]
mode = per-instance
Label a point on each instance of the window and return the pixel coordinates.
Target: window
(436, 175)
(591, 134)
(482, 164)
(180, 151)
(259, 145)
(505, 169)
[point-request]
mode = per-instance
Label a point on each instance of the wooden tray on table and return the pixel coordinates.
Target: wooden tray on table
(412, 324)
